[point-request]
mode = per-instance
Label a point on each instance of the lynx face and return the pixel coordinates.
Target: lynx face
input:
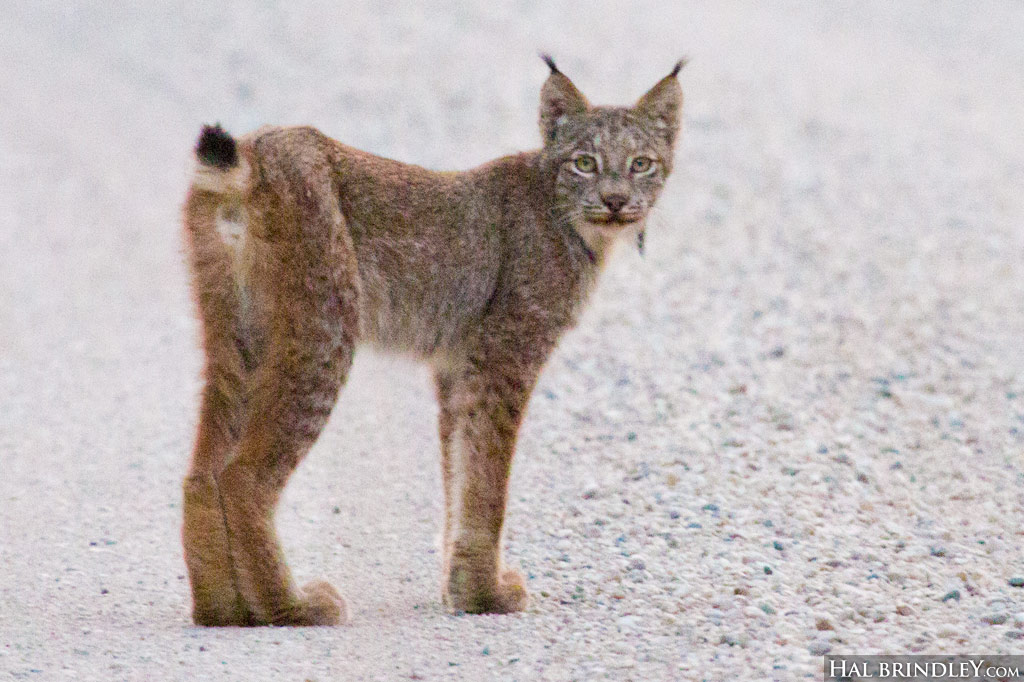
(609, 163)
(610, 168)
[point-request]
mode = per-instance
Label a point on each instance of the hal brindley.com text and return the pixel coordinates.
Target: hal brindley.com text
(924, 668)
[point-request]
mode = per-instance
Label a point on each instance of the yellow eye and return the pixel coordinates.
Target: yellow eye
(585, 163)
(641, 164)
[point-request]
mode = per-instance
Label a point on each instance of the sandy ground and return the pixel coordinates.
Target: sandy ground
(796, 426)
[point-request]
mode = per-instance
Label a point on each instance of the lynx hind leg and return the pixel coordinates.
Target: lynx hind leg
(215, 597)
(309, 283)
(265, 403)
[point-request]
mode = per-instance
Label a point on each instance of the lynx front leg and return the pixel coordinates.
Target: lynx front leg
(480, 415)
(445, 426)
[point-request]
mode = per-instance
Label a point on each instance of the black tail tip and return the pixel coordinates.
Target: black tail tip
(217, 148)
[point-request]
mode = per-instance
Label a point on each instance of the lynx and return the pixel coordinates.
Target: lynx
(302, 248)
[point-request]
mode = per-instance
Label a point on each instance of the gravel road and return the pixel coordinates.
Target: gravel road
(795, 427)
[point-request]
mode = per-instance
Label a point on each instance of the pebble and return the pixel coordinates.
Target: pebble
(638, 576)
(952, 594)
(629, 622)
(819, 647)
(733, 640)
(995, 618)
(1017, 581)
(948, 631)
(620, 648)
(1018, 620)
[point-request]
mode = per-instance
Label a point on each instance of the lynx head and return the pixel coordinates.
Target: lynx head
(608, 163)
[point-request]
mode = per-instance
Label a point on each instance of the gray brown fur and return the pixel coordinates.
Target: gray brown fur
(304, 248)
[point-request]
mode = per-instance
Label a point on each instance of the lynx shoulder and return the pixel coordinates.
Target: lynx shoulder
(301, 249)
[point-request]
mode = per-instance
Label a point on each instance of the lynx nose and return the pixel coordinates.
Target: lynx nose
(614, 202)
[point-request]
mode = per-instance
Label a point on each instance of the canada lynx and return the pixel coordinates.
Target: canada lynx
(301, 248)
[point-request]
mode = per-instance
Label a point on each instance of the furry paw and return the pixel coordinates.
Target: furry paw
(215, 598)
(220, 617)
(507, 594)
(319, 604)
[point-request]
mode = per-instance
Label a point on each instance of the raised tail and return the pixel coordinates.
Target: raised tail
(219, 168)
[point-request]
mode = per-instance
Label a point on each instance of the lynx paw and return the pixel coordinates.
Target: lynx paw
(466, 595)
(215, 597)
(319, 604)
(221, 617)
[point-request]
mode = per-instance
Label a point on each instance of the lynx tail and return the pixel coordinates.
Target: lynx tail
(220, 169)
(217, 148)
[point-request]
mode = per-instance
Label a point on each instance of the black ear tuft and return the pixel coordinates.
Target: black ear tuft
(664, 103)
(217, 148)
(558, 98)
(679, 66)
(550, 62)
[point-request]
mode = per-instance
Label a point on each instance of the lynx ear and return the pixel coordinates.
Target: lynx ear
(664, 103)
(558, 98)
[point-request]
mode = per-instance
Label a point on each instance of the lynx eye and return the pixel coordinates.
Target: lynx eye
(585, 163)
(641, 165)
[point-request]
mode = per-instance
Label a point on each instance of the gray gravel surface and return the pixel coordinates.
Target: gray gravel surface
(795, 427)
